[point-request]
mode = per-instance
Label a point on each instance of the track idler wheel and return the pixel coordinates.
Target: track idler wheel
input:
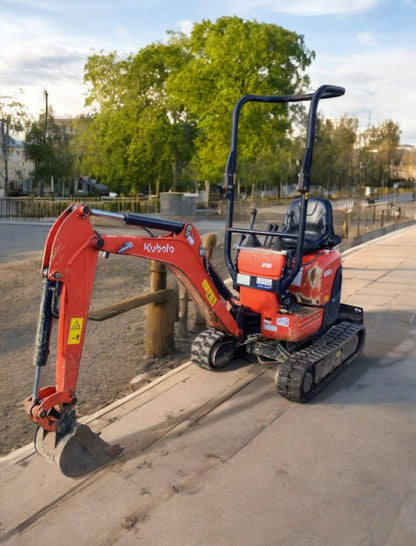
(77, 452)
(212, 349)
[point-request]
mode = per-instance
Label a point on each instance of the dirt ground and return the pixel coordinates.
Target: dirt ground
(114, 349)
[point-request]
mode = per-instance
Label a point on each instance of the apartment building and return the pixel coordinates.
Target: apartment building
(15, 169)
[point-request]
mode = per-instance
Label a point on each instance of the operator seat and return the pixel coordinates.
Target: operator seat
(319, 232)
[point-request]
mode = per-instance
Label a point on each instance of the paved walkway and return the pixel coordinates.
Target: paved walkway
(220, 458)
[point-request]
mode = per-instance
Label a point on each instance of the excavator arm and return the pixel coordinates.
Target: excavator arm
(68, 269)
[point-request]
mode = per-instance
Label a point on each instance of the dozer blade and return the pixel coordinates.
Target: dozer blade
(77, 452)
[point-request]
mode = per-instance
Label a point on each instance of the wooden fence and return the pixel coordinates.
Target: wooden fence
(164, 307)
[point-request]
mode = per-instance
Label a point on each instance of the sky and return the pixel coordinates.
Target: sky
(366, 46)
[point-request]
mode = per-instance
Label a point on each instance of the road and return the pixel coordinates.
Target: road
(22, 240)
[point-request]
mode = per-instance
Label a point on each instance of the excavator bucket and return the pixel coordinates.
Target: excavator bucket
(77, 452)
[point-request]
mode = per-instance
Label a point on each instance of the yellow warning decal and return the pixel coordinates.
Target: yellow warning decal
(209, 293)
(75, 329)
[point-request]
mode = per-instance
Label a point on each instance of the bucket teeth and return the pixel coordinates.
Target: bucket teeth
(77, 452)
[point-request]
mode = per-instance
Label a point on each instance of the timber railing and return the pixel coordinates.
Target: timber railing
(165, 306)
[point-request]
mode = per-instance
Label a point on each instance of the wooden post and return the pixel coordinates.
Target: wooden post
(160, 316)
(182, 310)
(345, 227)
(209, 242)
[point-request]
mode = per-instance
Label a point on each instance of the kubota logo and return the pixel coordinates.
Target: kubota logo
(156, 248)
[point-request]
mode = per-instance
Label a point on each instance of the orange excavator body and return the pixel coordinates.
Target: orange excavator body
(286, 299)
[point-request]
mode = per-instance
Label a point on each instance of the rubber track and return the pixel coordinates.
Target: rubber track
(202, 347)
(293, 370)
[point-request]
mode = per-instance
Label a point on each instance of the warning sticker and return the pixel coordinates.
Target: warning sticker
(209, 293)
(283, 321)
(75, 329)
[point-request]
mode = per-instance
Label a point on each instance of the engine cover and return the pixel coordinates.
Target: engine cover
(259, 273)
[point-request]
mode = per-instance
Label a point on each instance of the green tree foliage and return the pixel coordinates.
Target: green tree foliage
(379, 153)
(163, 116)
(137, 139)
(334, 156)
(228, 59)
(46, 146)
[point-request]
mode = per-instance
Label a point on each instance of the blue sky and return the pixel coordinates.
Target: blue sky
(367, 46)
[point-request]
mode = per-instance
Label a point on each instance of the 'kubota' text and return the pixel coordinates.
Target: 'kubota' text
(156, 248)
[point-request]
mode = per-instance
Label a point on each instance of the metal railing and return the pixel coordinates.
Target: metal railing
(363, 218)
(35, 208)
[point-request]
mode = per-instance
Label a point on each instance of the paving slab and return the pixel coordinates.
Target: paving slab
(221, 458)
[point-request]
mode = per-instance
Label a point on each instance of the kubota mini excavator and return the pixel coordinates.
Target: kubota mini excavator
(285, 306)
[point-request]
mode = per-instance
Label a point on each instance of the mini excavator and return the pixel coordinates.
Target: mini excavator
(285, 305)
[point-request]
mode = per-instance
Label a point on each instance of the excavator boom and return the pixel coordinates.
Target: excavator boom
(68, 269)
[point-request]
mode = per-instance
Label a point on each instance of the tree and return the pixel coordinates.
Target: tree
(228, 59)
(380, 153)
(13, 118)
(333, 166)
(47, 147)
(162, 141)
(144, 141)
(164, 115)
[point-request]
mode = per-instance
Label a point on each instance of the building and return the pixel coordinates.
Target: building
(15, 169)
(407, 167)
(67, 126)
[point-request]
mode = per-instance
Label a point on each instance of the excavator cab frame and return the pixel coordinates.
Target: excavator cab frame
(323, 92)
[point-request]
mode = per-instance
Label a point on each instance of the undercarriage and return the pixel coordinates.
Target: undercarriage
(304, 369)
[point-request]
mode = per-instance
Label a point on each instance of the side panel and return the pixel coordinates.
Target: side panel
(313, 284)
(260, 268)
(294, 326)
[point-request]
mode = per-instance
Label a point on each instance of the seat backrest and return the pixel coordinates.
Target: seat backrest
(319, 231)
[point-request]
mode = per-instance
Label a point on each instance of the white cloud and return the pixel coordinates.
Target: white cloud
(307, 7)
(34, 56)
(367, 39)
(185, 26)
(379, 86)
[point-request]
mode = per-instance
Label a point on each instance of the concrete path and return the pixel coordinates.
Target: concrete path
(221, 458)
